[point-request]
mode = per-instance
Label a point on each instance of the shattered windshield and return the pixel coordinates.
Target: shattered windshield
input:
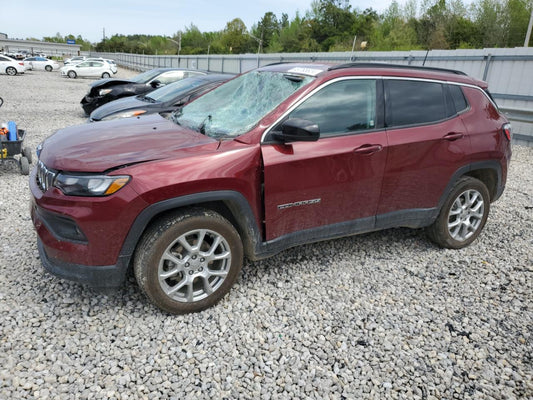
(235, 107)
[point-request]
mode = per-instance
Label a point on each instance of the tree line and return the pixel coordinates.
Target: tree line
(332, 25)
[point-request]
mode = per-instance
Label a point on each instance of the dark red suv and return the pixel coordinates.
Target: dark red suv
(284, 155)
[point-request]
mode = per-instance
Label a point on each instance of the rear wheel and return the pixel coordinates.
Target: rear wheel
(72, 74)
(188, 261)
(11, 71)
(463, 214)
(48, 68)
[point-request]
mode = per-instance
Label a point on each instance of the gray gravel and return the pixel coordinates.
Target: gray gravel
(382, 315)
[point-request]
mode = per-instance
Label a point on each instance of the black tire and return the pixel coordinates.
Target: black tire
(11, 71)
(48, 68)
(197, 278)
(462, 216)
(26, 152)
(24, 166)
(105, 75)
(72, 74)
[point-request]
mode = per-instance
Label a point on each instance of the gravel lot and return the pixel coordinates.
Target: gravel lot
(382, 315)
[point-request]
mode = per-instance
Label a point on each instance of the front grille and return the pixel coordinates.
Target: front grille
(45, 176)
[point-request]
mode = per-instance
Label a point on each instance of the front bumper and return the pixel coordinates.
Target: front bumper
(89, 104)
(81, 239)
(107, 276)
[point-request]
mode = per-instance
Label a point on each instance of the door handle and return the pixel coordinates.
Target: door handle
(453, 136)
(368, 149)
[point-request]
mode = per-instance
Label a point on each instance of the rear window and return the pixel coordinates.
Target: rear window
(414, 102)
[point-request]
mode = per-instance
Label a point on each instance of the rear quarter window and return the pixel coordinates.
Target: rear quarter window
(458, 98)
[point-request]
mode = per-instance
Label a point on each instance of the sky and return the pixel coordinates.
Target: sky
(23, 19)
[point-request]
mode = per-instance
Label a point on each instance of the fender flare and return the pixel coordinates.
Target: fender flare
(237, 204)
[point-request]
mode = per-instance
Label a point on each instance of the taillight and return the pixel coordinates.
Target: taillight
(506, 129)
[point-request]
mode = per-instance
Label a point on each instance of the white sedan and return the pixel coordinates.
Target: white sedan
(10, 66)
(40, 63)
(92, 69)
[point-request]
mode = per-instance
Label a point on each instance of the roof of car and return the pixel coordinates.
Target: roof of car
(310, 69)
(375, 69)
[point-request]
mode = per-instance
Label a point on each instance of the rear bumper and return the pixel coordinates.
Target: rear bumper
(108, 276)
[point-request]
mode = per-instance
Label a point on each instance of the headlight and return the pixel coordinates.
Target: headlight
(103, 92)
(90, 185)
(125, 114)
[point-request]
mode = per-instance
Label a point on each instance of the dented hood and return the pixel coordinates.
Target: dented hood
(102, 146)
(100, 83)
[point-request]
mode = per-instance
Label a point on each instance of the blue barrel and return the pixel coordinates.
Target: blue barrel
(12, 127)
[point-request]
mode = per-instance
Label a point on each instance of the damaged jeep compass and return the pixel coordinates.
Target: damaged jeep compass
(283, 155)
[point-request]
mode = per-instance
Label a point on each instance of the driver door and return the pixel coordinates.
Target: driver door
(334, 182)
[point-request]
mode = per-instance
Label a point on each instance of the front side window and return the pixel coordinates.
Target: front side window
(170, 76)
(414, 102)
(341, 107)
(146, 76)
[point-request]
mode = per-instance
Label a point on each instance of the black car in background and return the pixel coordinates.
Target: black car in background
(106, 90)
(167, 98)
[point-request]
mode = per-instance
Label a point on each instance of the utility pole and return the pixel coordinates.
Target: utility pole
(528, 34)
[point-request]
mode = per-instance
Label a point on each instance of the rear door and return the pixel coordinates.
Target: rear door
(337, 179)
(428, 143)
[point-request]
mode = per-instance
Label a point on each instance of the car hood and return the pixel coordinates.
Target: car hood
(124, 104)
(100, 83)
(103, 146)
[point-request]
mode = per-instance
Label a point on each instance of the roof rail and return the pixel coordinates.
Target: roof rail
(397, 66)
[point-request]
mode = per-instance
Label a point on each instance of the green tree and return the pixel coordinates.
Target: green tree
(266, 29)
(234, 38)
(295, 38)
(333, 23)
(393, 32)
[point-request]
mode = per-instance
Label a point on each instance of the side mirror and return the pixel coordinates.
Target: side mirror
(297, 130)
(155, 84)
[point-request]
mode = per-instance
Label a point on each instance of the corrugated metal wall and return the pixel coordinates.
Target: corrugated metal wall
(509, 72)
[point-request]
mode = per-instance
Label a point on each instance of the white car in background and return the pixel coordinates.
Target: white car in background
(10, 66)
(113, 65)
(89, 69)
(34, 63)
(74, 60)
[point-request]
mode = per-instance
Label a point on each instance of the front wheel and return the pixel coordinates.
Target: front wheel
(188, 261)
(105, 75)
(463, 214)
(48, 68)
(11, 71)
(72, 74)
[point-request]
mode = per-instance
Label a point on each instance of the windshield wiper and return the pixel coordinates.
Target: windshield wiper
(175, 116)
(202, 125)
